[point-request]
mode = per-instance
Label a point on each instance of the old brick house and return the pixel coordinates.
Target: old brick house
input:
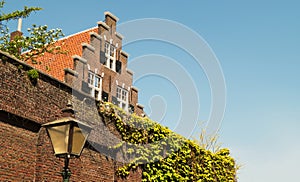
(94, 68)
(96, 64)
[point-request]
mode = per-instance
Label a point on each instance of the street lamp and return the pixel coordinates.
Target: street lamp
(68, 137)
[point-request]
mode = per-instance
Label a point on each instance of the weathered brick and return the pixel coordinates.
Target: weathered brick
(26, 153)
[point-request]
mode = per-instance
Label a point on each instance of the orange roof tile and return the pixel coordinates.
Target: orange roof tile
(54, 65)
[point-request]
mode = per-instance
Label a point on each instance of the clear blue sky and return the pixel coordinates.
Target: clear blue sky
(258, 46)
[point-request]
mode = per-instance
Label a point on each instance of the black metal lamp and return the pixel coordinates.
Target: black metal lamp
(68, 137)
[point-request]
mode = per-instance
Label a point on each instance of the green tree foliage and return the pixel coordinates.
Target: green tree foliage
(39, 40)
(164, 155)
(16, 14)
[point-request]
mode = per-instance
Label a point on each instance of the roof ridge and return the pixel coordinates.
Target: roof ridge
(66, 37)
(77, 33)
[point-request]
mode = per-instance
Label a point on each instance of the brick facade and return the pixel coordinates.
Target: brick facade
(93, 69)
(98, 51)
(26, 153)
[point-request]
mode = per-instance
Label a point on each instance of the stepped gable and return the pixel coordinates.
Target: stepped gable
(54, 65)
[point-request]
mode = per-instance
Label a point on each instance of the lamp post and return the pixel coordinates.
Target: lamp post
(68, 137)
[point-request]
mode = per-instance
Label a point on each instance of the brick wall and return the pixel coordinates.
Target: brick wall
(94, 59)
(17, 147)
(26, 153)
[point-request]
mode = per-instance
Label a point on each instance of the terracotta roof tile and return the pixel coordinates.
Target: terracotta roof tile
(54, 65)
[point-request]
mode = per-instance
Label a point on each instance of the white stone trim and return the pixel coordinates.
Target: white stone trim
(76, 57)
(96, 35)
(139, 105)
(73, 72)
(119, 35)
(91, 48)
(134, 88)
(103, 24)
(107, 62)
(124, 53)
(100, 91)
(111, 15)
(129, 71)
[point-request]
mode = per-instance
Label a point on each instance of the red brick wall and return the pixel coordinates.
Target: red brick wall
(25, 150)
(17, 148)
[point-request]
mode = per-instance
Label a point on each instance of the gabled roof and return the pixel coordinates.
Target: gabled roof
(54, 65)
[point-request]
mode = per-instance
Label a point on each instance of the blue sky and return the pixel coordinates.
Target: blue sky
(257, 45)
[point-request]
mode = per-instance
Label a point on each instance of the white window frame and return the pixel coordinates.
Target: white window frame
(95, 83)
(106, 48)
(122, 97)
(110, 54)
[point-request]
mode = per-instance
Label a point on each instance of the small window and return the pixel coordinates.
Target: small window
(122, 98)
(97, 81)
(110, 55)
(111, 63)
(90, 78)
(94, 83)
(106, 48)
(124, 95)
(102, 57)
(118, 66)
(115, 101)
(112, 51)
(105, 96)
(119, 90)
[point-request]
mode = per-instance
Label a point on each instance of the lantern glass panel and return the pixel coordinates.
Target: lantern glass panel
(59, 137)
(79, 137)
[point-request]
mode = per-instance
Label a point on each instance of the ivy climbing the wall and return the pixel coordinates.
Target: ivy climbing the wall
(164, 155)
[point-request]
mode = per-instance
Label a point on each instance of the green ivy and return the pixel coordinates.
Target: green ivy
(33, 74)
(164, 155)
